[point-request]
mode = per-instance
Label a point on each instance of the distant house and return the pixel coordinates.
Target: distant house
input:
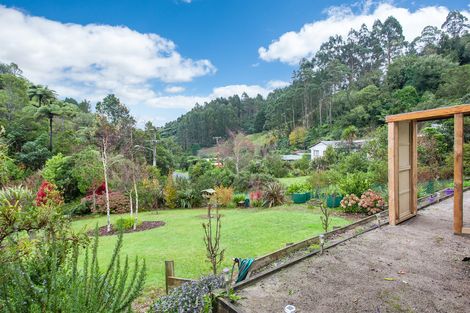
(318, 150)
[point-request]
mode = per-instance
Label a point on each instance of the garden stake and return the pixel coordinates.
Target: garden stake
(322, 242)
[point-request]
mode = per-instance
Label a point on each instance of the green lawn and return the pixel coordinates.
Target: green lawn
(245, 233)
(287, 181)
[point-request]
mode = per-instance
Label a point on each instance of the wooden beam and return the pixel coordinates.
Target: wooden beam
(466, 230)
(393, 172)
(169, 272)
(433, 114)
(414, 167)
(458, 173)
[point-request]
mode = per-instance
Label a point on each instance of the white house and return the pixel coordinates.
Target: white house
(318, 150)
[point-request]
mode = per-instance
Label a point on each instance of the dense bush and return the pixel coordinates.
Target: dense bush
(223, 195)
(48, 195)
(150, 194)
(298, 188)
(248, 181)
(350, 204)
(118, 203)
(124, 223)
(354, 183)
(191, 297)
(59, 170)
(170, 192)
(371, 202)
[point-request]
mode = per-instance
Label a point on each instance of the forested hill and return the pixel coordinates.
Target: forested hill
(350, 81)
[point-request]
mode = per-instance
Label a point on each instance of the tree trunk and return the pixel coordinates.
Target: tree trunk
(130, 204)
(51, 117)
(104, 158)
(136, 204)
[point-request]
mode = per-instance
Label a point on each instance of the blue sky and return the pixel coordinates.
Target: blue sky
(161, 56)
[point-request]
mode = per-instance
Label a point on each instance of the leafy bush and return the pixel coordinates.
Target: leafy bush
(50, 280)
(48, 195)
(19, 194)
(350, 204)
(78, 207)
(223, 195)
(59, 171)
(118, 203)
(150, 194)
(170, 192)
(191, 297)
(273, 194)
(298, 188)
(371, 202)
(124, 223)
(238, 197)
(354, 183)
(246, 181)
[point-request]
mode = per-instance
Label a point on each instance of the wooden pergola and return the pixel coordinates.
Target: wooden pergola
(403, 162)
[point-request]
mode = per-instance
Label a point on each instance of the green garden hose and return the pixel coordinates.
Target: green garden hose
(243, 268)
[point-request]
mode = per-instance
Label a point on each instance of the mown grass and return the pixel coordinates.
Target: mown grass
(245, 233)
(287, 181)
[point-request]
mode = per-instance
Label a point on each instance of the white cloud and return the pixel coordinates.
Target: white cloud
(187, 102)
(174, 89)
(292, 46)
(274, 84)
(90, 61)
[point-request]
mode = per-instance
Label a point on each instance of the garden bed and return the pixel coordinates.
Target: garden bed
(146, 225)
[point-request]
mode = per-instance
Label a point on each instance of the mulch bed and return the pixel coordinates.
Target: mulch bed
(145, 225)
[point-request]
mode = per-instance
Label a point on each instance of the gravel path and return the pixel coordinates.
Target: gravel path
(416, 266)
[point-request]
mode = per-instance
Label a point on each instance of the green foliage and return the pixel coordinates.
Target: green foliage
(275, 166)
(52, 281)
(124, 223)
(353, 162)
(34, 153)
(354, 183)
(170, 192)
(87, 170)
(59, 170)
(298, 188)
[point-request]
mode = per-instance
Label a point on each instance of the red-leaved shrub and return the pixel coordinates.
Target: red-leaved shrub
(48, 195)
(118, 202)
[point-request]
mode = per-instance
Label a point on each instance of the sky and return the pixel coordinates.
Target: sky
(161, 57)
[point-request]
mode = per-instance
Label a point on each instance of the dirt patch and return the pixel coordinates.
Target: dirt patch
(416, 266)
(145, 225)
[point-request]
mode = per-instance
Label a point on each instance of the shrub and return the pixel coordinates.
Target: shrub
(78, 208)
(118, 203)
(354, 183)
(273, 194)
(190, 297)
(48, 195)
(350, 204)
(150, 194)
(125, 223)
(371, 202)
(59, 171)
(170, 192)
(51, 280)
(19, 194)
(246, 181)
(298, 188)
(238, 197)
(223, 195)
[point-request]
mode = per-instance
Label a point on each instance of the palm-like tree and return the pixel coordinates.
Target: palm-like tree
(45, 100)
